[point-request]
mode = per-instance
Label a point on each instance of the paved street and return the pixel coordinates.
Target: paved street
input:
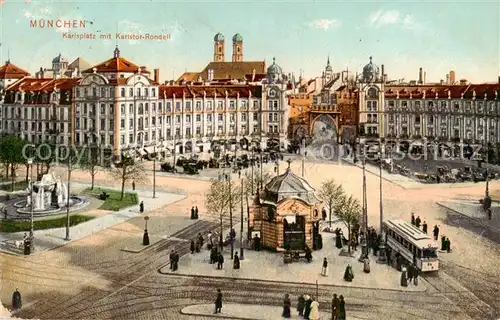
(94, 278)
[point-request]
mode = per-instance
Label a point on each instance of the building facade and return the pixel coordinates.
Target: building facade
(39, 110)
(9, 73)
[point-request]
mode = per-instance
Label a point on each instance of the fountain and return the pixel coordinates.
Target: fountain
(48, 196)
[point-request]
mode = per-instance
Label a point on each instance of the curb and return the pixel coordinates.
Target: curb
(215, 316)
(466, 216)
(281, 282)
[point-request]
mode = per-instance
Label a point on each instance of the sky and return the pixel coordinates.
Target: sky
(463, 36)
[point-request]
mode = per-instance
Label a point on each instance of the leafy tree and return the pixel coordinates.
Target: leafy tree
(11, 154)
(221, 198)
(128, 170)
(90, 162)
(349, 212)
(252, 184)
(46, 154)
(332, 195)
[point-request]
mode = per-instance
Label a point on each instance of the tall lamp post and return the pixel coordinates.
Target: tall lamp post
(154, 169)
(364, 244)
(70, 159)
(242, 255)
(381, 255)
(32, 223)
(228, 179)
(303, 154)
(252, 163)
(261, 168)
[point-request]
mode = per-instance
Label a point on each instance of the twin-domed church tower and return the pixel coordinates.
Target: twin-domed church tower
(219, 48)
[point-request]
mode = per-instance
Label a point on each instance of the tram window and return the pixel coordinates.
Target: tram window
(429, 253)
(419, 253)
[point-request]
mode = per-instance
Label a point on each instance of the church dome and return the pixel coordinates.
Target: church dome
(219, 37)
(274, 68)
(371, 71)
(237, 38)
(289, 185)
(59, 59)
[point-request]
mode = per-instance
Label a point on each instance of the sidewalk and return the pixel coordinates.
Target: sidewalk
(381, 276)
(249, 312)
(53, 238)
(473, 209)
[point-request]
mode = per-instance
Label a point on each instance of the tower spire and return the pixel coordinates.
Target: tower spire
(8, 56)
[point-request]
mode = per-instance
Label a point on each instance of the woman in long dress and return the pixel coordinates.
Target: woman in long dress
(286, 307)
(324, 270)
(314, 315)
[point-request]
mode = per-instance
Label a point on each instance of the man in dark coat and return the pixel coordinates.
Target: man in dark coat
(335, 307)
(176, 261)
(448, 245)
(220, 261)
(342, 313)
(307, 309)
(200, 239)
(323, 214)
(443, 242)
(197, 246)
(417, 222)
(435, 232)
(192, 213)
(424, 227)
(410, 273)
(17, 302)
(236, 261)
(286, 307)
(192, 247)
(141, 207)
(171, 260)
(412, 218)
(196, 212)
(308, 254)
(301, 303)
(338, 239)
(218, 302)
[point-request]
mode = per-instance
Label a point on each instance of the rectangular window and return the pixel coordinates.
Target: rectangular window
(198, 118)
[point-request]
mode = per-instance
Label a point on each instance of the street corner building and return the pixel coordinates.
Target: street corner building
(287, 215)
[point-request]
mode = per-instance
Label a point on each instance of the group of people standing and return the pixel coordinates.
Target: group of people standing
(174, 260)
(307, 307)
(408, 274)
(197, 245)
(445, 241)
(194, 213)
(417, 221)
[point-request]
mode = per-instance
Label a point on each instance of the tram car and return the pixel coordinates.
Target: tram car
(412, 244)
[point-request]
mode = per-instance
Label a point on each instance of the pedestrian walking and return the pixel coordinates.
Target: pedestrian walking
(435, 232)
(220, 261)
(141, 207)
(348, 274)
(192, 213)
(196, 212)
(218, 302)
(424, 227)
(323, 214)
(448, 245)
(417, 222)
(404, 277)
(239, 174)
(133, 185)
(197, 246)
(301, 303)
(17, 302)
(342, 313)
(335, 307)
(192, 247)
(314, 315)
(200, 239)
(236, 261)
(176, 261)
(307, 309)
(286, 307)
(324, 270)
(443, 242)
(412, 218)
(171, 260)
(410, 274)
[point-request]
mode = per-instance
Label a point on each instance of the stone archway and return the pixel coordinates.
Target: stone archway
(324, 128)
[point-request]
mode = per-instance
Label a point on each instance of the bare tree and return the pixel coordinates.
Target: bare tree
(128, 170)
(332, 195)
(252, 183)
(349, 212)
(90, 162)
(221, 197)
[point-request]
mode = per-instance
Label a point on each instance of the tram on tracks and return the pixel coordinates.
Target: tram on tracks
(412, 244)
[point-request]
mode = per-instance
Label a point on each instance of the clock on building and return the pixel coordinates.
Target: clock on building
(272, 93)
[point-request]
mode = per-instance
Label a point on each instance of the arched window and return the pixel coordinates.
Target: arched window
(238, 49)
(372, 93)
(141, 109)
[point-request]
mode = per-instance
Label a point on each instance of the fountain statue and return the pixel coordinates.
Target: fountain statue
(46, 193)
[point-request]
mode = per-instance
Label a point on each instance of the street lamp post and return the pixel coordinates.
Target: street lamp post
(70, 159)
(364, 244)
(145, 237)
(242, 255)
(228, 179)
(252, 163)
(261, 168)
(30, 162)
(303, 154)
(381, 254)
(154, 170)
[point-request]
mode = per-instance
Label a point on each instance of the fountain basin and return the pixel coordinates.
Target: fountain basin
(24, 209)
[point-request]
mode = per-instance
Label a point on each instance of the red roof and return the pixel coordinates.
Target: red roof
(481, 91)
(115, 64)
(232, 91)
(43, 85)
(10, 71)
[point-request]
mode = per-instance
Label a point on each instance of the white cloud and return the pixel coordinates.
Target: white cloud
(324, 24)
(381, 18)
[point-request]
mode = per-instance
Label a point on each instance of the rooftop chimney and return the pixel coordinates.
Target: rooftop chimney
(383, 73)
(463, 82)
(452, 77)
(420, 76)
(441, 82)
(157, 75)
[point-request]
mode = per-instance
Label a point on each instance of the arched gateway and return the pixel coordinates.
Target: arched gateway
(286, 216)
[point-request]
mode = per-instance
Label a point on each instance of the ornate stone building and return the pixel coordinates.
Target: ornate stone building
(288, 215)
